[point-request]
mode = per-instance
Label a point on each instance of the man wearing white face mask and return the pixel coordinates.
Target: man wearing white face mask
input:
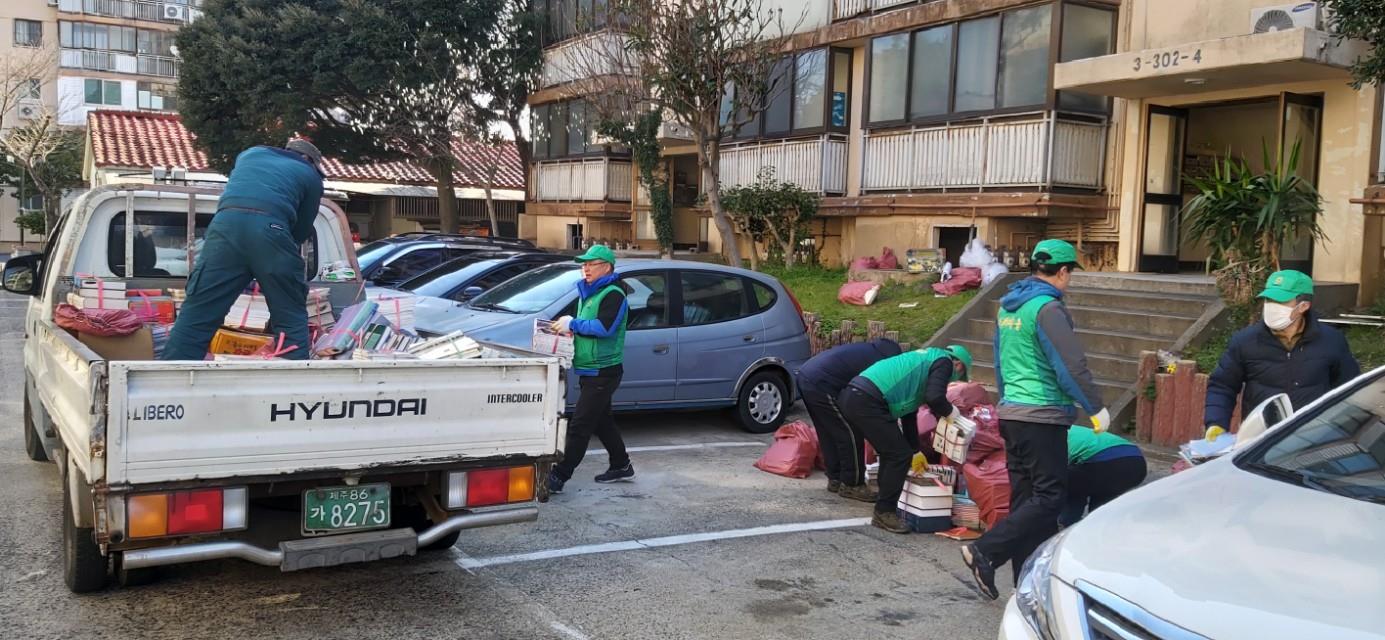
(1290, 352)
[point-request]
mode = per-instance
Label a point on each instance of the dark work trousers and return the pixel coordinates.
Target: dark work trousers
(868, 414)
(843, 449)
(1037, 457)
(593, 417)
(1093, 484)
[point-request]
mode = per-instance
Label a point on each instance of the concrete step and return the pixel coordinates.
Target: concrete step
(1102, 365)
(1162, 303)
(1120, 343)
(1147, 283)
(984, 372)
(1115, 318)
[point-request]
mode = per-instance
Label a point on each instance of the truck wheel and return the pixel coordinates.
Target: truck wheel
(33, 446)
(135, 577)
(416, 517)
(762, 403)
(84, 568)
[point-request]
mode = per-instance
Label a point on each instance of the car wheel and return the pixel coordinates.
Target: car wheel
(84, 568)
(763, 402)
(33, 446)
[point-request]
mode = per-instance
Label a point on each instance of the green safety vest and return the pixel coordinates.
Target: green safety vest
(597, 353)
(1028, 375)
(901, 378)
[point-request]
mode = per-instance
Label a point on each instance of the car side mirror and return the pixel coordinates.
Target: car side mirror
(21, 274)
(471, 292)
(1262, 418)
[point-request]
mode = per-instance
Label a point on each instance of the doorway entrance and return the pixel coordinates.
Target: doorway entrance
(1192, 140)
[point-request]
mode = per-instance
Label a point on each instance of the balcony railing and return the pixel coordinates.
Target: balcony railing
(131, 9)
(120, 62)
(588, 180)
(1039, 152)
(843, 9)
(597, 54)
(817, 164)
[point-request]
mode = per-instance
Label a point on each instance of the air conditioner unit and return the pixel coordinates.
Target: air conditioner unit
(176, 12)
(1286, 16)
(26, 112)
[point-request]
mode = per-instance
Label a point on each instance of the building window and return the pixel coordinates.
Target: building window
(778, 112)
(32, 90)
(978, 44)
(889, 61)
(797, 100)
(28, 33)
(810, 89)
(841, 86)
(1024, 57)
(1087, 33)
(103, 92)
(932, 81)
(565, 19)
(156, 96)
(577, 128)
(155, 43)
(80, 35)
(565, 129)
(539, 131)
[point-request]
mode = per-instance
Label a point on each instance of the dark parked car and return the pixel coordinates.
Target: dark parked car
(393, 260)
(464, 278)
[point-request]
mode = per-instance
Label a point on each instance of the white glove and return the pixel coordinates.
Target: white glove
(563, 324)
(1101, 421)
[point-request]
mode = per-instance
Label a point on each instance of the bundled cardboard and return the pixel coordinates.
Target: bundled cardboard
(240, 343)
(136, 346)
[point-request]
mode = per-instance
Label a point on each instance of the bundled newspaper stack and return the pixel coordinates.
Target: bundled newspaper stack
(397, 306)
(251, 312)
(95, 293)
(453, 346)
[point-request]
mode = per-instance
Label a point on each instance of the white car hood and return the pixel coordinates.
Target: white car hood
(1230, 554)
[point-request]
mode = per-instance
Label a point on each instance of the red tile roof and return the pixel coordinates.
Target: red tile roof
(139, 140)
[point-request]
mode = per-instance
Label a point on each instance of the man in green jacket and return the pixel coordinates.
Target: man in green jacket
(598, 341)
(885, 396)
(1041, 372)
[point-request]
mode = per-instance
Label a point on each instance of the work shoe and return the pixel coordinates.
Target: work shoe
(859, 492)
(623, 474)
(834, 485)
(981, 570)
(889, 521)
(555, 482)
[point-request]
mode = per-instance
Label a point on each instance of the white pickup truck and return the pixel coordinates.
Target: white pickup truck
(290, 464)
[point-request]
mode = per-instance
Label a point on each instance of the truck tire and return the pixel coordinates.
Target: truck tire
(84, 568)
(33, 445)
(763, 402)
(416, 517)
(135, 577)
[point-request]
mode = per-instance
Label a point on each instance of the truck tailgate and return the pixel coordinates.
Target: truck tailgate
(204, 420)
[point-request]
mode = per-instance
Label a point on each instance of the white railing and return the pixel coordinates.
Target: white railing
(598, 54)
(843, 9)
(986, 154)
(165, 66)
(588, 180)
(93, 60)
(132, 9)
(817, 164)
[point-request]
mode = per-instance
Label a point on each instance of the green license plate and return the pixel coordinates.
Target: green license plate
(336, 509)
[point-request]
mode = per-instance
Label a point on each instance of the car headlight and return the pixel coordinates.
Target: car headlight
(1034, 594)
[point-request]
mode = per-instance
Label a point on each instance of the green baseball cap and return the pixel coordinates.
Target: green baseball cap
(1055, 251)
(962, 355)
(1284, 286)
(598, 252)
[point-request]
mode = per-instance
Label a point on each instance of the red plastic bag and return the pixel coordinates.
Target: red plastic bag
(858, 293)
(963, 278)
(987, 440)
(794, 453)
(887, 259)
(988, 485)
(861, 264)
(108, 323)
(965, 395)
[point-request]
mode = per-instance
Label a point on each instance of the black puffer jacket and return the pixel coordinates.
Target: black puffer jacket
(1256, 362)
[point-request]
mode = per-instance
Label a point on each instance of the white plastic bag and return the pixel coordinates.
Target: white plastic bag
(992, 271)
(947, 271)
(976, 256)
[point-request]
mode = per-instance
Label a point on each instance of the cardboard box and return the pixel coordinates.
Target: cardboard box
(136, 346)
(238, 343)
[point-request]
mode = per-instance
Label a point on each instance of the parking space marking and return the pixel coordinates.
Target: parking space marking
(679, 447)
(467, 562)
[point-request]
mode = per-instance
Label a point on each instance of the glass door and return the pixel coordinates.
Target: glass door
(1300, 124)
(1163, 199)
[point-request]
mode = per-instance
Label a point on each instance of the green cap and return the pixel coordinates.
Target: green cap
(1054, 251)
(962, 355)
(1284, 286)
(598, 252)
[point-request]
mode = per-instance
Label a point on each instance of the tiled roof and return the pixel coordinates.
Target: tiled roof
(138, 140)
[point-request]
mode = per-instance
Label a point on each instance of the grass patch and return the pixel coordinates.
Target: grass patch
(816, 289)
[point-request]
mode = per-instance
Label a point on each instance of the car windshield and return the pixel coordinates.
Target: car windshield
(370, 254)
(1340, 450)
(531, 291)
(440, 281)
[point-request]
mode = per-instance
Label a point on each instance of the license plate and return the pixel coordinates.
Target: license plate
(336, 509)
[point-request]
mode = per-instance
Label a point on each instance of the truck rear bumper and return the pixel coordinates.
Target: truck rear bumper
(327, 551)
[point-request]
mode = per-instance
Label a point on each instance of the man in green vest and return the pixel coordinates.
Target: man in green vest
(598, 341)
(1041, 372)
(1101, 467)
(882, 404)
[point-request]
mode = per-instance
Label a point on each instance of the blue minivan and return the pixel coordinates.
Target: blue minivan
(699, 336)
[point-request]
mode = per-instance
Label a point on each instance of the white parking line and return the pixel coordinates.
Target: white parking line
(467, 562)
(679, 447)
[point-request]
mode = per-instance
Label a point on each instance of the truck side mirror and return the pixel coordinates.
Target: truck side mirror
(21, 274)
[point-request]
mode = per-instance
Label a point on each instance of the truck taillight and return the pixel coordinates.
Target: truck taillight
(489, 487)
(152, 515)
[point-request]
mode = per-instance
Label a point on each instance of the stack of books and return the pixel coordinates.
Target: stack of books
(453, 346)
(397, 306)
(251, 312)
(94, 293)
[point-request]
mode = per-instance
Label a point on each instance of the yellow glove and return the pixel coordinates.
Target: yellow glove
(1101, 421)
(1214, 432)
(918, 465)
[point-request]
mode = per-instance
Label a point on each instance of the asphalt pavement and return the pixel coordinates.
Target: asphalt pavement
(700, 545)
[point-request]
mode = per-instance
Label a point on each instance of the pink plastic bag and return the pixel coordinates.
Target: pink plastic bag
(107, 323)
(794, 453)
(887, 259)
(965, 395)
(987, 440)
(963, 278)
(858, 293)
(861, 264)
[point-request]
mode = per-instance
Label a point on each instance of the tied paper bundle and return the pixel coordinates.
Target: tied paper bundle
(251, 312)
(94, 293)
(320, 319)
(345, 333)
(397, 306)
(548, 341)
(152, 306)
(453, 346)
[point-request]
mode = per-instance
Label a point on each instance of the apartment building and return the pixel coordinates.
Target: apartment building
(919, 123)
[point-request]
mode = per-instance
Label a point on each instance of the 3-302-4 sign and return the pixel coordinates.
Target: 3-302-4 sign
(1167, 59)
